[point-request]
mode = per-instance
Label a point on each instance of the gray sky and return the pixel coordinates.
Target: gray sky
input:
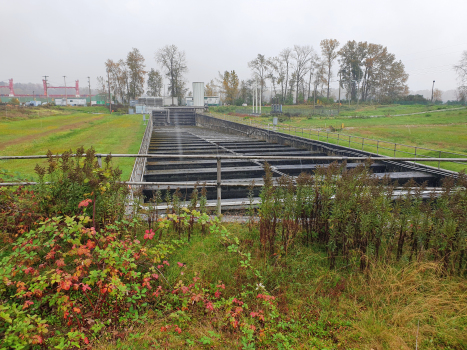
(75, 38)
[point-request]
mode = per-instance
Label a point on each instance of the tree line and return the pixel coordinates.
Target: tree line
(365, 71)
(126, 78)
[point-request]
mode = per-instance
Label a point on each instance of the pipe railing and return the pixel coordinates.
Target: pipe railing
(219, 183)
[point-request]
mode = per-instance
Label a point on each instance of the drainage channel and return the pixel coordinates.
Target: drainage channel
(191, 140)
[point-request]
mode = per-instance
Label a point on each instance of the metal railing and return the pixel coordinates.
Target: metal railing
(378, 147)
(140, 162)
(218, 183)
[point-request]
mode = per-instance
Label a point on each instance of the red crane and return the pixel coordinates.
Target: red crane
(10, 86)
(76, 87)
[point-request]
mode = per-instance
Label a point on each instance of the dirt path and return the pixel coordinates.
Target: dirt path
(27, 138)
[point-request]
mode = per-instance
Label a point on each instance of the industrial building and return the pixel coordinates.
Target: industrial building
(157, 101)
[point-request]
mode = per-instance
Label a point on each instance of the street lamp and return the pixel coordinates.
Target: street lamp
(432, 91)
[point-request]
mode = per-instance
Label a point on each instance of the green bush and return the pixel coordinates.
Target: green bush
(70, 184)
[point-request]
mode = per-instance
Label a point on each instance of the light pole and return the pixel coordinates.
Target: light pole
(66, 95)
(432, 91)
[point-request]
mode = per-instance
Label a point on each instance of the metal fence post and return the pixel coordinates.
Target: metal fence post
(99, 160)
(349, 140)
(327, 137)
(219, 211)
(438, 160)
(363, 142)
(318, 135)
(395, 145)
(377, 147)
(302, 132)
(415, 154)
(338, 137)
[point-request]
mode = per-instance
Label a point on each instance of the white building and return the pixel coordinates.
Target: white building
(70, 102)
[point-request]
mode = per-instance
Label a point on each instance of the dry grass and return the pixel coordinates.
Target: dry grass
(388, 303)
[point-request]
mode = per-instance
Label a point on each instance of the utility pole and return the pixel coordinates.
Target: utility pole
(66, 95)
(46, 88)
(350, 84)
(432, 91)
(110, 96)
(260, 95)
(314, 97)
(339, 105)
(90, 97)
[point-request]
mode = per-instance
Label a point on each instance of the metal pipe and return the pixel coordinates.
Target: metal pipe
(213, 156)
(219, 189)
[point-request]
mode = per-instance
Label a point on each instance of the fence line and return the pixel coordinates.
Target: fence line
(350, 141)
(222, 156)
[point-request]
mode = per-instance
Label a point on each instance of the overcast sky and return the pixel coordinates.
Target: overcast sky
(75, 38)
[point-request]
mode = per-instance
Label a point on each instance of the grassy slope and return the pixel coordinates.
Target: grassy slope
(335, 309)
(63, 131)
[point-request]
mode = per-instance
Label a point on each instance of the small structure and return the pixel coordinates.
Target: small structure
(33, 103)
(70, 102)
(276, 109)
(160, 101)
(208, 101)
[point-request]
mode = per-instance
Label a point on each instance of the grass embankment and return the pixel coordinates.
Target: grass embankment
(445, 130)
(65, 128)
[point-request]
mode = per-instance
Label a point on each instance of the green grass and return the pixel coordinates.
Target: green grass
(444, 131)
(69, 129)
(345, 110)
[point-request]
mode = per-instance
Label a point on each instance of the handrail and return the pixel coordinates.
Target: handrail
(260, 157)
(345, 139)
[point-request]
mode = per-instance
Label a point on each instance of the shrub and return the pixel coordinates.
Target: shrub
(71, 185)
(74, 280)
(355, 217)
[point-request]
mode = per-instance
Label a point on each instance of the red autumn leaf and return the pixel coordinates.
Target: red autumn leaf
(90, 244)
(60, 262)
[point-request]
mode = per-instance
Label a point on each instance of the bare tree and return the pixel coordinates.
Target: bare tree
(302, 56)
(111, 70)
(437, 95)
(173, 62)
(461, 70)
(101, 88)
(277, 74)
(329, 53)
(260, 68)
(286, 57)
